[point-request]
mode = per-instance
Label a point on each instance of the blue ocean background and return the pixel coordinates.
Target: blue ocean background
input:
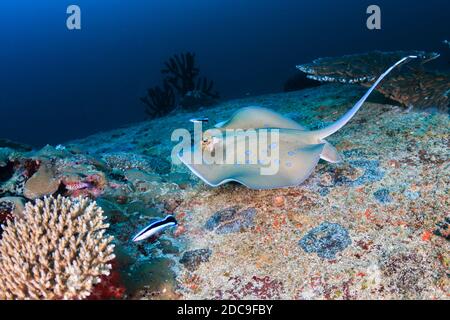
(57, 84)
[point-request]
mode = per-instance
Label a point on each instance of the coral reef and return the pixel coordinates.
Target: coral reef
(358, 68)
(412, 86)
(58, 250)
(299, 81)
(44, 182)
(389, 196)
(419, 88)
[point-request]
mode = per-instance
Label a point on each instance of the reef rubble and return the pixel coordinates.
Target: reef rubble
(374, 226)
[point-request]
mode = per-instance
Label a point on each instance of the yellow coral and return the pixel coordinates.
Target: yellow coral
(58, 250)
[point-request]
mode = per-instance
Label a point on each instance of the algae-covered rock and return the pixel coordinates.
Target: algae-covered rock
(326, 240)
(193, 258)
(231, 220)
(43, 182)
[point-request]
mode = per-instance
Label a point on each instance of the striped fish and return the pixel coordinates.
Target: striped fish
(199, 120)
(155, 228)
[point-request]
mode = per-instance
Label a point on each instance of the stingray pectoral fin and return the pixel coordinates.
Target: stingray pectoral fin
(210, 174)
(258, 117)
(330, 153)
(217, 174)
(292, 171)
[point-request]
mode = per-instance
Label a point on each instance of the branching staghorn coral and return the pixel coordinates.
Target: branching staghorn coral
(58, 250)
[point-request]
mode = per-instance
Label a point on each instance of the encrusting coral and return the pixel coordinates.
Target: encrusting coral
(58, 250)
(411, 86)
(43, 183)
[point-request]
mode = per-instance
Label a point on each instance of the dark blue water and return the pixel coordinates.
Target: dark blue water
(57, 84)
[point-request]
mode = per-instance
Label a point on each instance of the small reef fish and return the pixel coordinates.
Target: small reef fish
(155, 228)
(299, 148)
(199, 120)
(73, 186)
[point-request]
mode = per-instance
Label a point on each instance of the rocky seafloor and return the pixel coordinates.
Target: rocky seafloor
(375, 226)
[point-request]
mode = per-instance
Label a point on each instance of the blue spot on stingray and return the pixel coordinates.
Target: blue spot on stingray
(326, 240)
(291, 153)
(382, 196)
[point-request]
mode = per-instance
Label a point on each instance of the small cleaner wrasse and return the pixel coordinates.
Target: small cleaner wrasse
(155, 228)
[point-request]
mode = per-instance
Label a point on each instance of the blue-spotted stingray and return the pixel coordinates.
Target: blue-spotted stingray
(299, 149)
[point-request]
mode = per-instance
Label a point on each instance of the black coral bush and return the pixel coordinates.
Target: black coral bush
(182, 85)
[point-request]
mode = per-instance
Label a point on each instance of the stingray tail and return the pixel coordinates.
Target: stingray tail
(327, 131)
